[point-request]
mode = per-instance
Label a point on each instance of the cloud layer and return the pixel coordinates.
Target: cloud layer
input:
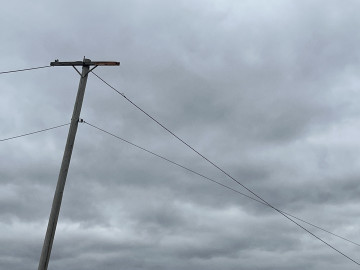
(268, 90)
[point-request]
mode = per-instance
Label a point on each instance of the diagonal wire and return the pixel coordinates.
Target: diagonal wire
(226, 173)
(214, 181)
(34, 132)
(24, 69)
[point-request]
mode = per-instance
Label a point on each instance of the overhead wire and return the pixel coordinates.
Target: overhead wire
(224, 172)
(34, 132)
(261, 200)
(24, 69)
(212, 180)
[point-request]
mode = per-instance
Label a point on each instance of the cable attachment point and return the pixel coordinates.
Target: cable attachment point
(81, 120)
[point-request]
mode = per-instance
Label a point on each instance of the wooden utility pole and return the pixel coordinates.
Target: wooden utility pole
(55, 209)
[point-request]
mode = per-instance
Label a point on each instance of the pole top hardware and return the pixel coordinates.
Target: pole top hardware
(85, 62)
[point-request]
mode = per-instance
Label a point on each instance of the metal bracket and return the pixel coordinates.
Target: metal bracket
(86, 72)
(91, 69)
(77, 70)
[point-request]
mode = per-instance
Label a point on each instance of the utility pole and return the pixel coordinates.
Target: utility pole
(55, 209)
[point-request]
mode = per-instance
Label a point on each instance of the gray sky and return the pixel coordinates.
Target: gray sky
(266, 89)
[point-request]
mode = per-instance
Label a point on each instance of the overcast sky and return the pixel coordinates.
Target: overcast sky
(268, 90)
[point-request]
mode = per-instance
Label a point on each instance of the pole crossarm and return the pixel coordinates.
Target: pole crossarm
(85, 63)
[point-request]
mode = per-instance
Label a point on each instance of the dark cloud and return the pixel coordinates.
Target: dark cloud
(267, 90)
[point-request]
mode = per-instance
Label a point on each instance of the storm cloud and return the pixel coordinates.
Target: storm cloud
(268, 90)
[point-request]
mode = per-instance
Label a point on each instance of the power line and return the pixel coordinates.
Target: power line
(24, 69)
(214, 181)
(224, 172)
(30, 133)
